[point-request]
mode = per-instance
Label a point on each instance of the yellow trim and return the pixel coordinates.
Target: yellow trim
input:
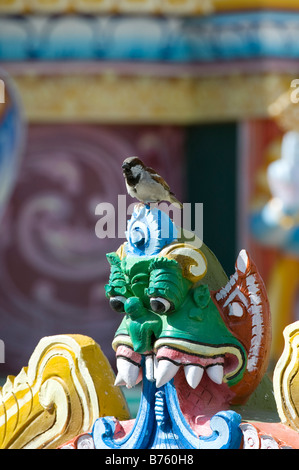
(173, 7)
(122, 340)
(286, 378)
(254, 4)
(109, 98)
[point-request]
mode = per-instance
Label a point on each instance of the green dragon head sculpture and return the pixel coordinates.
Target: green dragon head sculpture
(175, 318)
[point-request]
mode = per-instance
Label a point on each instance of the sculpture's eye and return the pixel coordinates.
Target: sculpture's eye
(118, 303)
(160, 305)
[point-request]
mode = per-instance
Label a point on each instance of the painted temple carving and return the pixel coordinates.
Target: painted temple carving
(286, 377)
(67, 384)
(197, 340)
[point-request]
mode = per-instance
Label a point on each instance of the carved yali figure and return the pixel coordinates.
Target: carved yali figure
(197, 351)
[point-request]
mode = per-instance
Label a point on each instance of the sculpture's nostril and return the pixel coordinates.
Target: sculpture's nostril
(134, 307)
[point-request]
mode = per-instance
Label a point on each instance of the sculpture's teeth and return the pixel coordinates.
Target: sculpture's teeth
(193, 375)
(215, 373)
(149, 368)
(165, 371)
(119, 381)
(127, 371)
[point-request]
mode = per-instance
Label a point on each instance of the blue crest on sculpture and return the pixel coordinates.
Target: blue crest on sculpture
(148, 231)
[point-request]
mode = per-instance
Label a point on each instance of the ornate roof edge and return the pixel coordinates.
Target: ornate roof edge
(145, 7)
(112, 97)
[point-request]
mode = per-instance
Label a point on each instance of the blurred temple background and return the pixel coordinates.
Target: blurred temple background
(202, 90)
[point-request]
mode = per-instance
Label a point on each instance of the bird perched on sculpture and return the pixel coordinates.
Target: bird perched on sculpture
(145, 184)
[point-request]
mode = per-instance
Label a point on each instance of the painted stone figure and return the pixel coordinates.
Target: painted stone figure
(196, 350)
(197, 340)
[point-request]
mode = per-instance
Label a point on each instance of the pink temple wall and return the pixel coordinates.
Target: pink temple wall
(53, 266)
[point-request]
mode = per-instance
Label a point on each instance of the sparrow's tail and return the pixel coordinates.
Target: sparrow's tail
(175, 201)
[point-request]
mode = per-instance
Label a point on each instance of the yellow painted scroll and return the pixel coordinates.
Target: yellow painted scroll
(286, 378)
(67, 385)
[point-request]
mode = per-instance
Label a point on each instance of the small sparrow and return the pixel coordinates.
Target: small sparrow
(144, 184)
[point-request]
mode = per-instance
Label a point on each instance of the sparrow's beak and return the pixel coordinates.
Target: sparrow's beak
(126, 166)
